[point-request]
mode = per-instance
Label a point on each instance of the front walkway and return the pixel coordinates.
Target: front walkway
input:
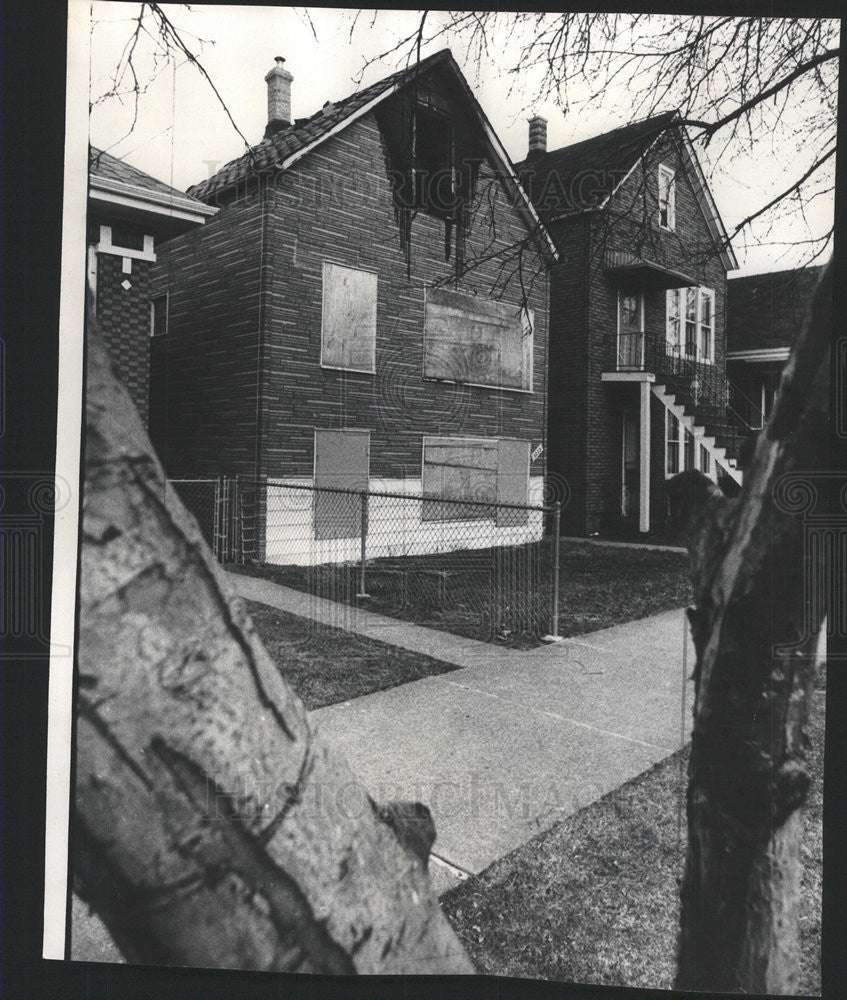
(513, 741)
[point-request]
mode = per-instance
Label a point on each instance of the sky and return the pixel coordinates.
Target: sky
(179, 132)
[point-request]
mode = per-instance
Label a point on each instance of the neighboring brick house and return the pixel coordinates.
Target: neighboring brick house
(350, 318)
(764, 315)
(129, 214)
(638, 306)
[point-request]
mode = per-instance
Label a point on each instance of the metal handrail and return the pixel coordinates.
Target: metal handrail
(707, 382)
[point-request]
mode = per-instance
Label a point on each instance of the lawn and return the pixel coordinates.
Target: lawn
(325, 665)
(595, 899)
(505, 595)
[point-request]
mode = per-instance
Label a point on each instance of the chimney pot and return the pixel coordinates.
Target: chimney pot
(537, 135)
(278, 80)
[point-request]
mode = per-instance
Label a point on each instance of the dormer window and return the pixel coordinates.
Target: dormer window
(667, 197)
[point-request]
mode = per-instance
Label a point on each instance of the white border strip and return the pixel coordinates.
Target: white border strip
(68, 431)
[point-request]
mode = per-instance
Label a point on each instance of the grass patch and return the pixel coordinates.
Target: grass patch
(325, 665)
(505, 595)
(595, 899)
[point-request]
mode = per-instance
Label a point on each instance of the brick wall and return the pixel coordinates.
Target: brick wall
(337, 206)
(204, 371)
(585, 417)
(124, 319)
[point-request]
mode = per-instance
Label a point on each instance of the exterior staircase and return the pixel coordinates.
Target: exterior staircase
(712, 423)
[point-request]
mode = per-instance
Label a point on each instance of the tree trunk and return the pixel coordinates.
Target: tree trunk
(755, 636)
(213, 826)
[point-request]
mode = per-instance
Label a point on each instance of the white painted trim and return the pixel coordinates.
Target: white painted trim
(760, 354)
(176, 206)
(107, 246)
(644, 460)
(627, 377)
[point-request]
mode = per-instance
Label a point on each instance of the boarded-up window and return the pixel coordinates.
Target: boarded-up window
(479, 469)
(341, 463)
(512, 481)
(479, 341)
(348, 328)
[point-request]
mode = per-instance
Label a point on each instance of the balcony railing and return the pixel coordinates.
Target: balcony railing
(706, 384)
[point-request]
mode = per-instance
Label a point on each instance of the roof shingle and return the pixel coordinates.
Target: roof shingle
(274, 150)
(102, 164)
(767, 310)
(581, 176)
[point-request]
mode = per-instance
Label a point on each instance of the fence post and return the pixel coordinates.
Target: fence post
(363, 531)
(554, 609)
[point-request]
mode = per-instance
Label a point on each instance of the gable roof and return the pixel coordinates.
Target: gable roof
(115, 183)
(766, 311)
(607, 158)
(557, 179)
(285, 147)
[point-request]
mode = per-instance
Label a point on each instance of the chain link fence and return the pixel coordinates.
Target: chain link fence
(478, 568)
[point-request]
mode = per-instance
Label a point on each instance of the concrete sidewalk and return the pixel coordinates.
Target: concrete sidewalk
(513, 741)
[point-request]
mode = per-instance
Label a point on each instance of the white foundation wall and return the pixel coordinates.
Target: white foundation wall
(395, 526)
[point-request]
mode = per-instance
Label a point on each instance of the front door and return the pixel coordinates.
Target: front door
(630, 456)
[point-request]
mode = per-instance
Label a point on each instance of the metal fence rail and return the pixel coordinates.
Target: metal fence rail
(481, 568)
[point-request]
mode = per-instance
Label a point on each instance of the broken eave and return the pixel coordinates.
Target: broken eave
(646, 272)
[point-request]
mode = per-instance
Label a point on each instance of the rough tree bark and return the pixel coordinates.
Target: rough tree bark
(213, 826)
(754, 675)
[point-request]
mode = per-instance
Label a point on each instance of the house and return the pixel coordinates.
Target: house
(764, 315)
(130, 213)
(367, 310)
(638, 388)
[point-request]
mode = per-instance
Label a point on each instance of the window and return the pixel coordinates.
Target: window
(342, 460)
(706, 347)
(679, 446)
(348, 327)
(690, 329)
(688, 450)
(630, 329)
(667, 197)
(159, 315)
(483, 469)
(477, 341)
(705, 461)
(671, 444)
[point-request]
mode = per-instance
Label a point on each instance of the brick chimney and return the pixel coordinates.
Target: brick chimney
(279, 97)
(537, 136)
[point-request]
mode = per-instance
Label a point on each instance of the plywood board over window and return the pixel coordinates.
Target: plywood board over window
(341, 463)
(477, 341)
(348, 324)
(512, 481)
(488, 470)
